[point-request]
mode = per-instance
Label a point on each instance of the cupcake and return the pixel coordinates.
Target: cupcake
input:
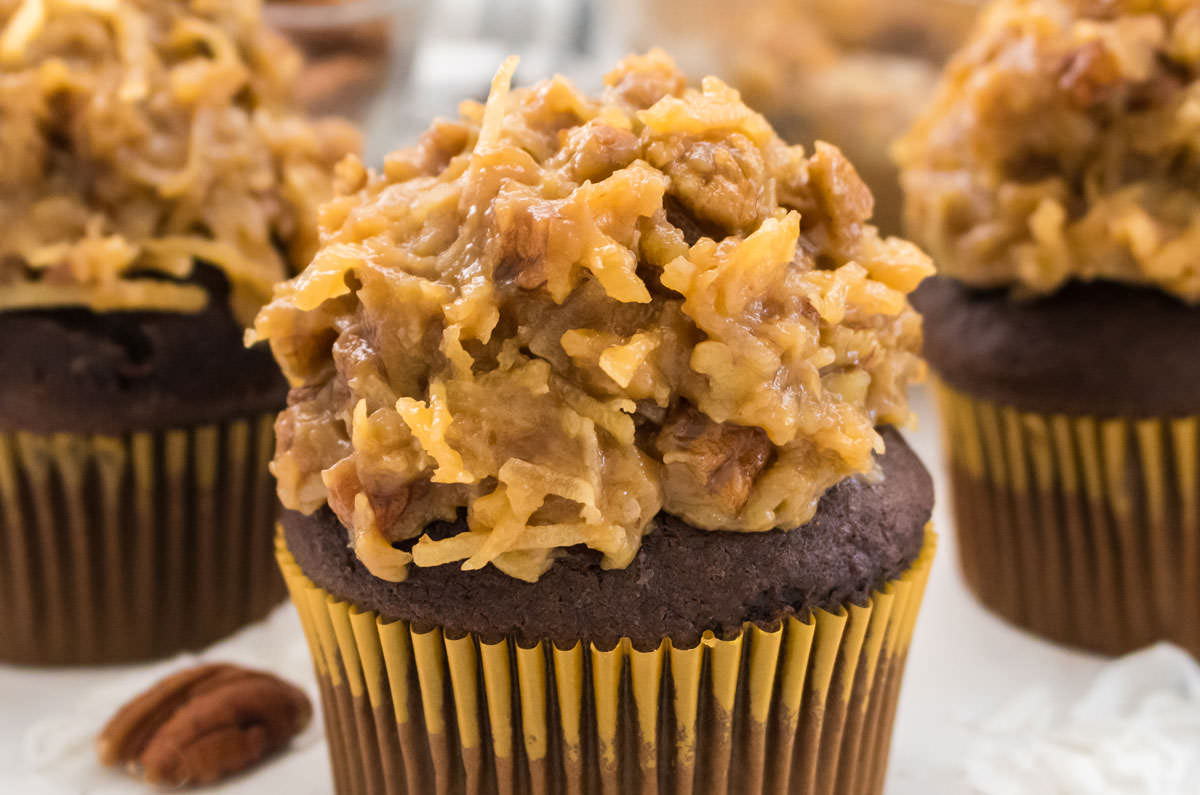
(589, 463)
(155, 182)
(1053, 181)
(351, 49)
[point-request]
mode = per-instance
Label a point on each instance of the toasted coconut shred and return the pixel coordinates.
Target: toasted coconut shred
(138, 137)
(562, 315)
(1065, 144)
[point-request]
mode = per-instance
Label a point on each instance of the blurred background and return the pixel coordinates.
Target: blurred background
(852, 72)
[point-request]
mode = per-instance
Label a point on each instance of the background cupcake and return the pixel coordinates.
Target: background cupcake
(566, 375)
(155, 181)
(1054, 183)
(857, 72)
(352, 49)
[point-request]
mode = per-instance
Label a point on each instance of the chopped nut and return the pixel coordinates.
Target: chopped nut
(522, 241)
(343, 484)
(596, 150)
(1090, 75)
(505, 323)
(721, 182)
(643, 80)
(442, 142)
(203, 724)
(719, 459)
(847, 199)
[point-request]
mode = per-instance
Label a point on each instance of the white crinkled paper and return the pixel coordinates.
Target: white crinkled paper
(1135, 732)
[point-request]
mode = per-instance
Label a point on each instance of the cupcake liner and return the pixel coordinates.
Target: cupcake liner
(807, 707)
(1085, 530)
(122, 548)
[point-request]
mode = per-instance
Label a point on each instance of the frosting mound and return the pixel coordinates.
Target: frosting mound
(564, 314)
(1065, 144)
(139, 136)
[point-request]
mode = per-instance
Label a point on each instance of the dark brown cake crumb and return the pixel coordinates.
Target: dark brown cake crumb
(1099, 349)
(75, 371)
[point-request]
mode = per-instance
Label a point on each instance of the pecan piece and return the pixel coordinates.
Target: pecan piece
(203, 724)
(523, 240)
(595, 150)
(720, 182)
(1090, 75)
(720, 460)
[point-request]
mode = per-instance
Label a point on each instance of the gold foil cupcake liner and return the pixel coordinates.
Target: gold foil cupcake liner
(805, 708)
(1085, 530)
(122, 548)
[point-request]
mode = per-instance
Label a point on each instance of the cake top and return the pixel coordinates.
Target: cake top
(140, 136)
(562, 314)
(1063, 145)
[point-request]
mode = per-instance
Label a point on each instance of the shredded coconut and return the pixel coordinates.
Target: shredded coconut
(138, 137)
(1063, 144)
(563, 314)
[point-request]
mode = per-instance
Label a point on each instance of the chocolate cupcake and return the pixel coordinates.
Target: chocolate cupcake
(1053, 180)
(155, 182)
(587, 457)
(351, 49)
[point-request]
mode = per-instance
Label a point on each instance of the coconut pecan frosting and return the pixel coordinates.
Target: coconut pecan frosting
(1064, 144)
(139, 137)
(562, 314)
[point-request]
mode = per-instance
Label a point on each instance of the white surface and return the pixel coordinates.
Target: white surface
(49, 719)
(965, 669)
(965, 664)
(1136, 731)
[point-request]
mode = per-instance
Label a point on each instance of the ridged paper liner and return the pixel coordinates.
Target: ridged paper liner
(807, 708)
(1084, 530)
(122, 548)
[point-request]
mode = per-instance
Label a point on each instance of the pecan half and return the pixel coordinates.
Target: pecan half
(203, 724)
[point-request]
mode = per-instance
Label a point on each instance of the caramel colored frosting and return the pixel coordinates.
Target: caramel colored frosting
(1063, 144)
(138, 137)
(563, 314)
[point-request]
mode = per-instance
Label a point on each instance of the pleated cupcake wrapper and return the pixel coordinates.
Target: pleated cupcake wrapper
(807, 708)
(121, 548)
(1085, 530)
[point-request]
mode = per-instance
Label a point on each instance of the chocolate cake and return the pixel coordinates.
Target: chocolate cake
(1095, 348)
(75, 371)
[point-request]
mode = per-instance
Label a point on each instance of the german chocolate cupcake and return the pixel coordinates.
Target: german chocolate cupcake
(1054, 180)
(588, 455)
(155, 182)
